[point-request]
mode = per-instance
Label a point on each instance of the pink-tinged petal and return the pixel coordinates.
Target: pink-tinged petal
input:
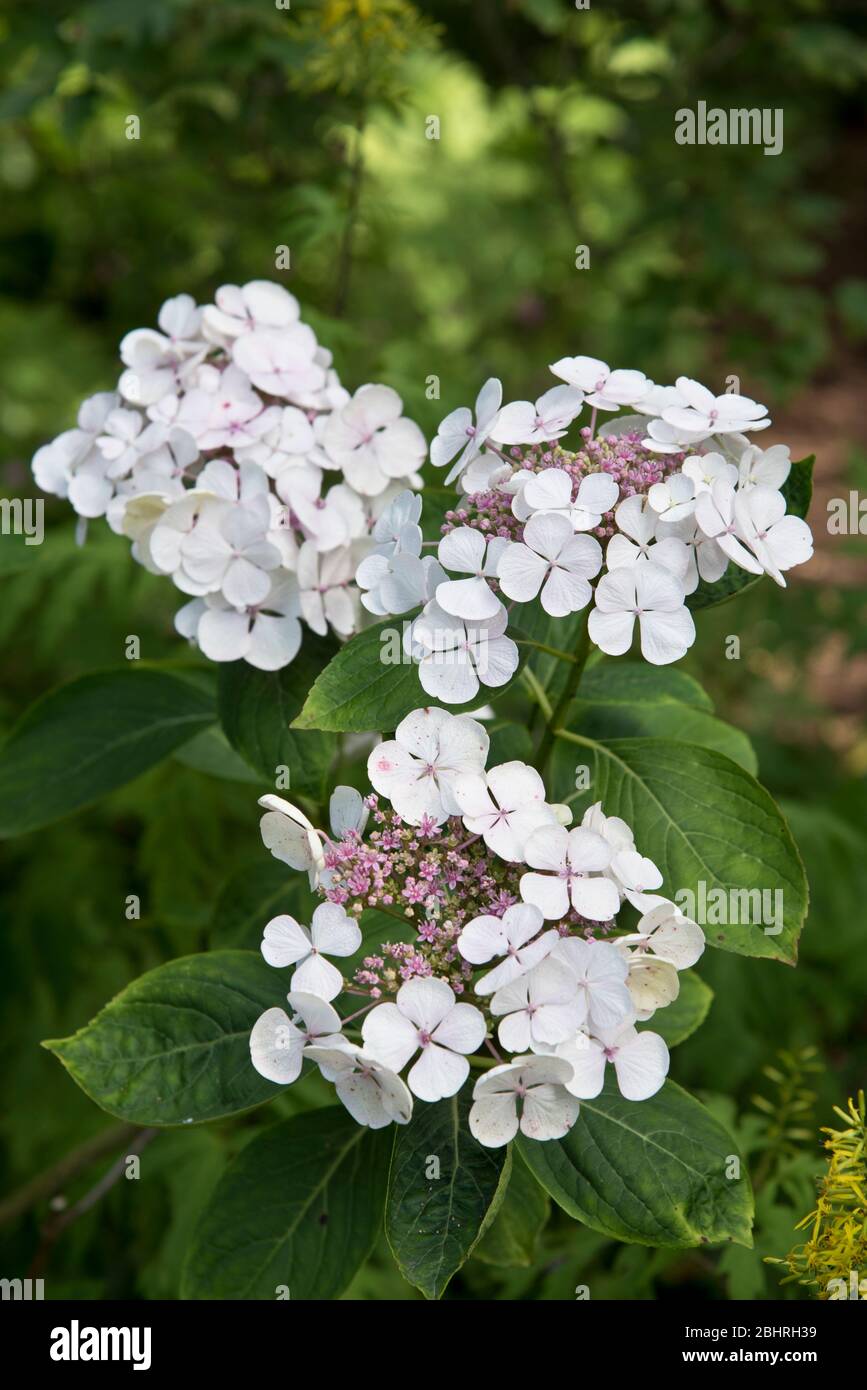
(437, 1074)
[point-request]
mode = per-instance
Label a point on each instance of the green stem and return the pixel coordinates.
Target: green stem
(579, 660)
(549, 651)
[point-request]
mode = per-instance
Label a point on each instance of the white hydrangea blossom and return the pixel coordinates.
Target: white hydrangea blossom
(238, 465)
(626, 522)
(554, 987)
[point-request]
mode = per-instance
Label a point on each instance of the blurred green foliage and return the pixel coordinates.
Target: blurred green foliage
(413, 257)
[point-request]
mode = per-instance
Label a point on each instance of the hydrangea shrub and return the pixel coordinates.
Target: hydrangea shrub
(512, 828)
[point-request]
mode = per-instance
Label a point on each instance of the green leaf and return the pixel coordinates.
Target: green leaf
(798, 491)
(84, 739)
(618, 682)
(625, 700)
(173, 1047)
(257, 709)
(251, 897)
(652, 1172)
(209, 752)
(298, 1210)
(433, 1223)
(509, 743)
(709, 826)
(676, 1021)
(513, 1236)
(370, 684)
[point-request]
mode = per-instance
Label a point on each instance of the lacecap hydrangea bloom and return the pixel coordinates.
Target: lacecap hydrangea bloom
(625, 523)
(509, 959)
(237, 464)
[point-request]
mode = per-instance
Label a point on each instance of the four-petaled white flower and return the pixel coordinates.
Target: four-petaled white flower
(419, 768)
(640, 1063)
(538, 1009)
(527, 1093)
(466, 551)
(716, 514)
(674, 499)
(667, 933)
(332, 933)
(778, 541)
(551, 491)
(373, 1094)
(372, 441)
(425, 1015)
(604, 389)
(636, 876)
(455, 657)
(572, 866)
(653, 596)
(600, 973)
(459, 433)
(267, 635)
(639, 538)
(764, 467)
(714, 414)
(504, 806)
(515, 936)
(706, 469)
(240, 309)
(550, 558)
(396, 583)
(278, 1042)
(523, 422)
